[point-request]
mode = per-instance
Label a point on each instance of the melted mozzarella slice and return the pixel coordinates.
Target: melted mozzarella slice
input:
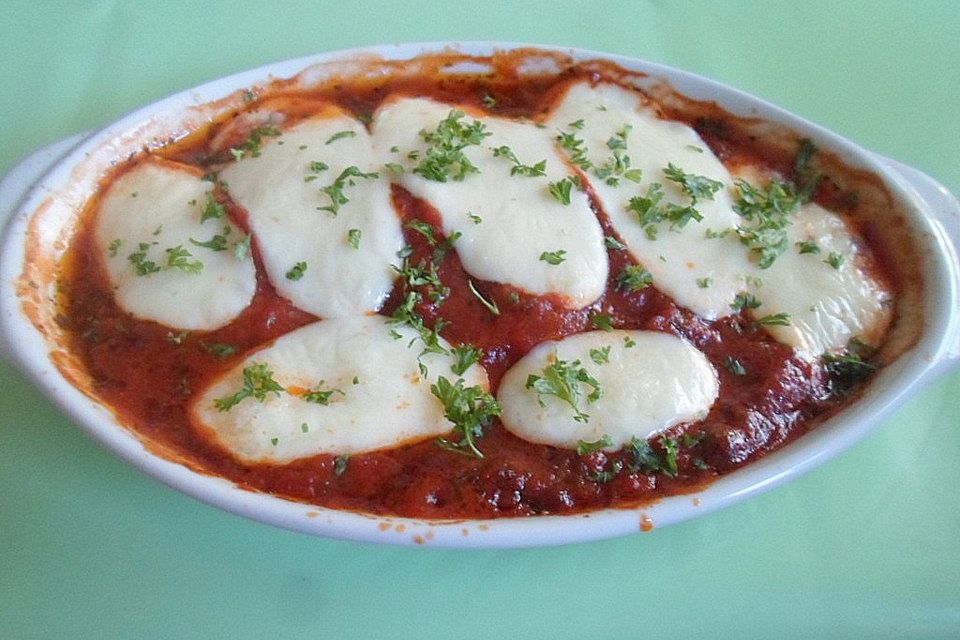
(678, 257)
(827, 306)
(650, 386)
(389, 404)
(507, 221)
(147, 227)
(283, 191)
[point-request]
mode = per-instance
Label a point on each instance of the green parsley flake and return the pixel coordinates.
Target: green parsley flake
(697, 187)
(340, 464)
(704, 283)
(646, 459)
(563, 380)
(776, 319)
(613, 243)
(353, 238)
(743, 301)
(601, 355)
(561, 190)
(491, 305)
(340, 135)
(179, 258)
(520, 169)
(633, 278)
(602, 322)
(114, 246)
(251, 148)
(335, 190)
(258, 382)
(216, 243)
(444, 158)
(220, 349)
(734, 366)
(139, 260)
(212, 210)
(835, 260)
(321, 395)
(465, 356)
(242, 249)
(553, 257)
(585, 448)
(806, 246)
(296, 271)
(470, 409)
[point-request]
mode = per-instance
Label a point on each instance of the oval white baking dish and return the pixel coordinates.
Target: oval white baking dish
(55, 181)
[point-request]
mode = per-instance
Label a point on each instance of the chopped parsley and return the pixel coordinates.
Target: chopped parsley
(212, 210)
(139, 260)
(216, 243)
(734, 366)
(613, 243)
(470, 409)
(340, 135)
(520, 169)
(646, 459)
(340, 464)
(353, 238)
(835, 260)
(806, 246)
(251, 148)
(179, 258)
(586, 448)
(345, 179)
(601, 321)
(321, 395)
(744, 300)
(114, 246)
(489, 304)
(444, 158)
(776, 319)
(634, 278)
(560, 190)
(465, 356)
(258, 382)
(650, 212)
(601, 355)
(704, 283)
(563, 380)
(553, 257)
(220, 349)
(574, 148)
(697, 187)
(848, 369)
(296, 271)
(242, 249)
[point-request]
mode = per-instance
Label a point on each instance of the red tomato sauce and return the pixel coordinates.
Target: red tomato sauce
(148, 373)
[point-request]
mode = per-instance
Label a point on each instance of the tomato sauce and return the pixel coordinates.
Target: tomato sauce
(148, 373)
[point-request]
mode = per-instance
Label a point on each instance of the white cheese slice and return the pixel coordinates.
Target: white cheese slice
(155, 207)
(658, 382)
(283, 196)
(827, 306)
(390, 404)
(515, 219)
(680, 257)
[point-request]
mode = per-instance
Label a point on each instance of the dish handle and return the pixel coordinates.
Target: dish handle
(944, 208)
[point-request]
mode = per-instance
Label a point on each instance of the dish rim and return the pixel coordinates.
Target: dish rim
(47, 172)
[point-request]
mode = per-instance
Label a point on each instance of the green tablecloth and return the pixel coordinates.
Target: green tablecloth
(865, 546)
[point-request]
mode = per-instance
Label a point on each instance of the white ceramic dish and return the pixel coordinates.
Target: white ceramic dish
(54, 181)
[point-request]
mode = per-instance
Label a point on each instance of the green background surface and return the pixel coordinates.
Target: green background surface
(867, 545)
